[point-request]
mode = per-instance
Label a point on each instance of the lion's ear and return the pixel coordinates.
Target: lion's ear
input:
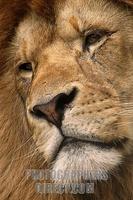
(129, 2)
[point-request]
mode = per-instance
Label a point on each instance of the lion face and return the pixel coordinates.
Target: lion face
(75, 78)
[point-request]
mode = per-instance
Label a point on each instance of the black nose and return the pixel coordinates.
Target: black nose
(54, 110)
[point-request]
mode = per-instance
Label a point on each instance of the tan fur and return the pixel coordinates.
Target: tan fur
(28, 32)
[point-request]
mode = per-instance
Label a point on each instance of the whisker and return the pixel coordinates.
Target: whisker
(24, 143)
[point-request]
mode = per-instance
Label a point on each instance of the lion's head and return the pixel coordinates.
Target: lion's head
(69, 65)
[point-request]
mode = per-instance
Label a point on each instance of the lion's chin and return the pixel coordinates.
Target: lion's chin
(80, 162)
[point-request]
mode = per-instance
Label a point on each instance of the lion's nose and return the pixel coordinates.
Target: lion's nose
(53, 111)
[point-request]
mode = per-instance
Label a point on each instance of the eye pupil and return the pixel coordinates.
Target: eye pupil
(92, 38)
(25, 67)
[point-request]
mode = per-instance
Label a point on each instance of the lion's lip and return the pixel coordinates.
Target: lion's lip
(96, 142)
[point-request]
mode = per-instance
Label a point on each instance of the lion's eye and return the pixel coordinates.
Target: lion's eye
(25, 70)
(94, 37)
(25, 67)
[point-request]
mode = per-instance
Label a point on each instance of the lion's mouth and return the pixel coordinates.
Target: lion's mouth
(118, 143)
(93, 155)
(73, 143)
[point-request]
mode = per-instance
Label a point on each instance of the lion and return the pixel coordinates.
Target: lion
(66, 100)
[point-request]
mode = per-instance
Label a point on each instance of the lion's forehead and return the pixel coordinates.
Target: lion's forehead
(71, 19)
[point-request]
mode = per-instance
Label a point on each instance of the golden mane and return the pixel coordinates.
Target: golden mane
(17, 149)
